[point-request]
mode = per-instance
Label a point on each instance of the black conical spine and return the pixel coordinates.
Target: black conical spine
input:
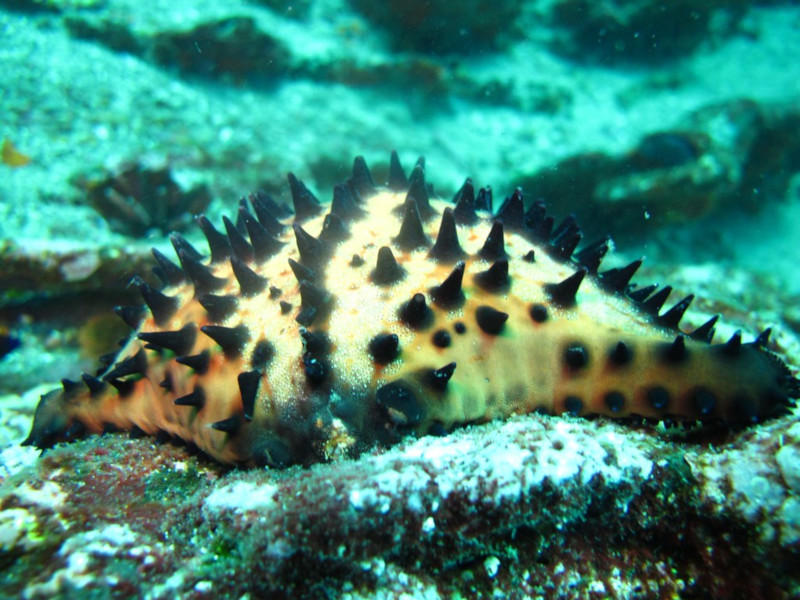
(387, 270)
(449, 292)
(418, 190)
(218, 307)
(565, 292)
(202, 277)
(464, 211)
(512, 211)
(95, 385)
(705, 333)
(439, 378)
(217, 242)
(343, 204)
(654, 303)
(398, 182)
(230, 339)
(415, 313)
(313, 251)
(161, 306)
(132, 315)
(167, 271)
(313, 299)
(240, 247)
(248, 388)
(412, 235)
(263, 243)
(198, 362)
(494, 247)
(618, 279)
(250, 282)
(179, 342)
(262, 205)
(230, 425)
(182, 245)
(305, 203)
(196, 398)
(362, 178)
(673, 316)
(447, 247)
(302, 272)
(133, 365)
(495, 277)
(592, 255)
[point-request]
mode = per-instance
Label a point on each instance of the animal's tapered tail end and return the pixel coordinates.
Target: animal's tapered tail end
(50, 421)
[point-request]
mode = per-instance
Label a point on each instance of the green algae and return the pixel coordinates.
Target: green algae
(172, 485)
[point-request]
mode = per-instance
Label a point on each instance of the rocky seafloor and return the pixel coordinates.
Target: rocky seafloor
(534, 507)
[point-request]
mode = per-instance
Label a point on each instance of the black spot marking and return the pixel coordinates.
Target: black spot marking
(576, 356)
(573, 405)
(316, 348)
(460, 327)
(401, 403)
(704, 401)
(262, 354)
(490, 320)
(658, 397)
(384, 348)
(441, 339)
(530, 256)
(286, 307)
(614, 401)
(539, 312)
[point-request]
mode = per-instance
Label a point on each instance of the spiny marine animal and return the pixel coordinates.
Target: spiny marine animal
(302, 336)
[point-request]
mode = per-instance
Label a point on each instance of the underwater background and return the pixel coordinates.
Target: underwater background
(673, 126)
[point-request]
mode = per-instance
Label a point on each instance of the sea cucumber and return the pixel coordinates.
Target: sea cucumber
(300, 337)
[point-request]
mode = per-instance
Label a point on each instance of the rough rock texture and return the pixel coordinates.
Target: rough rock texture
(612, 31)
(731, 155)
(442, 27)
(533, 507)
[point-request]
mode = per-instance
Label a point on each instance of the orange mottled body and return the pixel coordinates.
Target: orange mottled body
(307, 336)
